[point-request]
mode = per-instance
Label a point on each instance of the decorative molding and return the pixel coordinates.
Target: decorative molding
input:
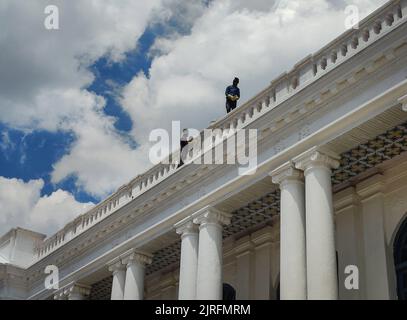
(72, 289)
(211, 215)
(134, 256)
(317, 156)
(115, 265)
(383, 147)
(286, 173)
(102, 289)
(373, 186)
(243, 246)
(263, 236)
(403, 101)
(344, 199)
(186, 227)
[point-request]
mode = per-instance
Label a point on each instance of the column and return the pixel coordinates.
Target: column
(77, 292)
(135, 263)
(293, 277)
(189, 259)
(349, 240)
(209, 277)
(322, 281)
(378, 268)
(119, 276)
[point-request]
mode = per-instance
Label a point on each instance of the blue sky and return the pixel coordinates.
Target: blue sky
(31, 155)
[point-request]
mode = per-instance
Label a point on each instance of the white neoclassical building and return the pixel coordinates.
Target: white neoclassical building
(328, 199)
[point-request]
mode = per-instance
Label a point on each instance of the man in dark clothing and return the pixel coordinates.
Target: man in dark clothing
(232, 95)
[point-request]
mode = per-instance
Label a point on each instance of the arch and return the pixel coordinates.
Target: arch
(400, 260)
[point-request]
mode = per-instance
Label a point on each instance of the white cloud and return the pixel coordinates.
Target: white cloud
(21, 205)
(44, 73)
(100, 158)
(255, 40)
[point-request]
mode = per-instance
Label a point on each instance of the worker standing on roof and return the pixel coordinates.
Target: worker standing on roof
(232, 95)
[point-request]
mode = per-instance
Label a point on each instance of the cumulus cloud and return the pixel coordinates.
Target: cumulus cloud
(44, 74)
(255, 40)
(100, 158)
(21, 205)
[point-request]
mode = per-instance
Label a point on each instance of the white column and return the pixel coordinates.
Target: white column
(119, 276)
(293, 277)
(78, 292)
(189, 259)
(209, 278)
(135, 263)
(322, 281)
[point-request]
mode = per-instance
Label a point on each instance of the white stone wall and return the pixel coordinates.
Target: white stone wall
(368, 216)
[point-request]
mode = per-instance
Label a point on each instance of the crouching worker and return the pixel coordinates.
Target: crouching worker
(185, 139)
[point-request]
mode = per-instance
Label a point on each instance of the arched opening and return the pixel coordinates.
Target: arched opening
(400, 260)
(229, 293)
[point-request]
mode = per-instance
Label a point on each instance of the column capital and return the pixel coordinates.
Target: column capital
(77, 288)
(286, 173)
(134, 256)
(211, 215)
(403, 101)
(73, 288)
(186, 227)
(115, 265)
(317, 157)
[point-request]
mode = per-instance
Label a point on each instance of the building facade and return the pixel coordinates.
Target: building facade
(324, 216)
